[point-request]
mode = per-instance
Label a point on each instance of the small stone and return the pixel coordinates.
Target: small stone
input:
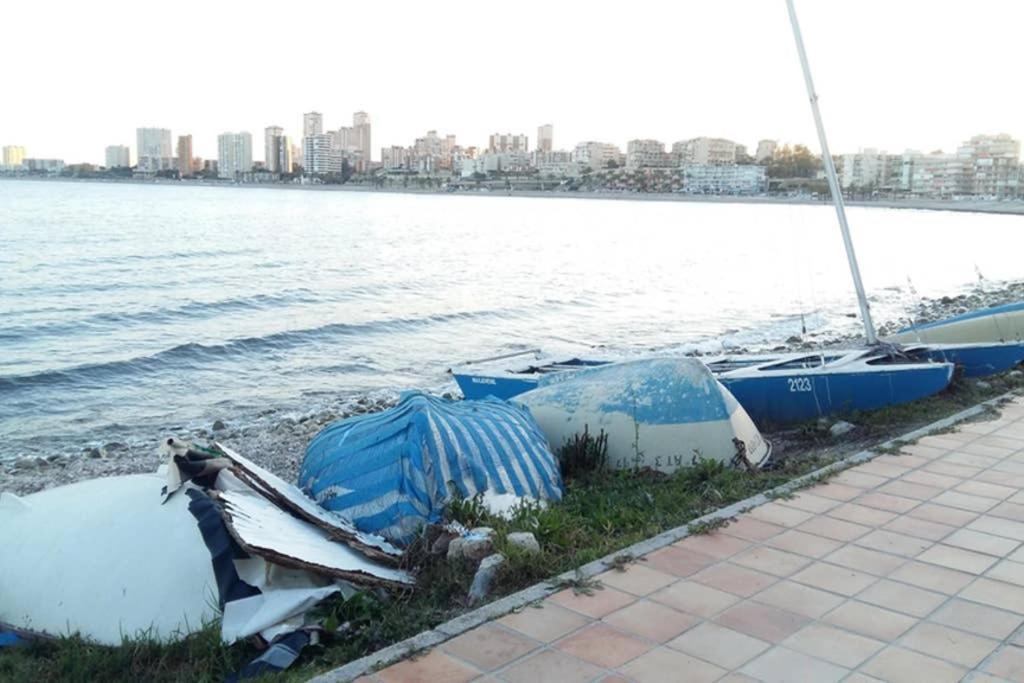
(794, 340)
(25, 464)
(983, 385)
(840, 428)
(525, 541)
(475, 545)
(484, 577)
(441, 544)
(42, 462)
(1016, 374)
(115, 446)
(219, 426)
(93, 453)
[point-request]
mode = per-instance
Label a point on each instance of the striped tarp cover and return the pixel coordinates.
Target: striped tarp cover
(394, 471)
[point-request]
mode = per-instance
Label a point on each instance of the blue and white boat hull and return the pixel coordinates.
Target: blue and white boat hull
(658, 413)
(990, 325)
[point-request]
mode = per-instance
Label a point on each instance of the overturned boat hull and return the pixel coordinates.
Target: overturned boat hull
(997, 324)
(105, 559)
(659, 413)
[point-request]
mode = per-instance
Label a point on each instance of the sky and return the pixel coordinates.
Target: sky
(891, 74)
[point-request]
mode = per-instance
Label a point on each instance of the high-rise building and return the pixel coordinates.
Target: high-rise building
(234, 154)
(507, 142)
(765, 150)
(704, 152)
(283, 154)
(14, 156)
(319, 155)
(278, 151)
(118, 156)
(545, 138)
(646, 154)
(312, 124)
(990, 166)
(354, 142)
(394, 157)
(297, 159)
(361, 131)
(597, 155)
(270, 152)
(153, 149)
(185, 154)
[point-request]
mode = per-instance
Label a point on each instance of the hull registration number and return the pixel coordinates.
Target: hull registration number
(799, 384)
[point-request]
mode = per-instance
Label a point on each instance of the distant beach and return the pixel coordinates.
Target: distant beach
(972, 205)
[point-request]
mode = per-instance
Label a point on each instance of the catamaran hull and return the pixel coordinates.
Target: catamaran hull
(788, 399)
(975, 360)
(997, 324)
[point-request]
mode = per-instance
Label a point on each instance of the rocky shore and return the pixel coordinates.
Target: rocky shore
(278, 442)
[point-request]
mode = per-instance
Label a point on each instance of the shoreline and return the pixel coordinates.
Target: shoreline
(278, 439)
(968, 206)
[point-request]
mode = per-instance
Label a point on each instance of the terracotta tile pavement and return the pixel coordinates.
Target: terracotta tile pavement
(906, 568)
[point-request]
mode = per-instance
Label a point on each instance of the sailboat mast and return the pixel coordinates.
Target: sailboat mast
(833, 181)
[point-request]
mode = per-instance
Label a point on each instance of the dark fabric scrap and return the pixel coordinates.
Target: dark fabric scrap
(283, 651)
(222, 546)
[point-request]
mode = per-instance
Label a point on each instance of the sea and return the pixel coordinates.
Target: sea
(131, 310)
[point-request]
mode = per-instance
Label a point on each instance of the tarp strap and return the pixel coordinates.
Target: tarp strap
(224, 550)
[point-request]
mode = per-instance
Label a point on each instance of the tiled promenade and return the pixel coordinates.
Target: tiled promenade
(906, 568)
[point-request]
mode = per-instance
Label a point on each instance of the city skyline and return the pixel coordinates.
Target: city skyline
(885, 78)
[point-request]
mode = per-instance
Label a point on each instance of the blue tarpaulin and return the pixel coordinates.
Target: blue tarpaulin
(394, 471)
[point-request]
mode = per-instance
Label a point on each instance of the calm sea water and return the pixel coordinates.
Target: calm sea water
(126, 310)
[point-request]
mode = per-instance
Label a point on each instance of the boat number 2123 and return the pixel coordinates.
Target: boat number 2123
(799, 384)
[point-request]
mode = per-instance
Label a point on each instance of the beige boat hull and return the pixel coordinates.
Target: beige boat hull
(1003, 326)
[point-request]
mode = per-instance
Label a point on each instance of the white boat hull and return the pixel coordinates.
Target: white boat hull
(105, 559)
(658, 413)
(999, 324)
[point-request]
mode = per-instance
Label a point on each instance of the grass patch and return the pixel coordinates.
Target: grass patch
(602, 512)
(199, 657)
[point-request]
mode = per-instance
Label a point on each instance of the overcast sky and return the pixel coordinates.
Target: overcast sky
(892, 74)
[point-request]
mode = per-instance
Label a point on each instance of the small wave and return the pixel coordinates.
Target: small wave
(192, 354)
(175, 256)
(195, 310)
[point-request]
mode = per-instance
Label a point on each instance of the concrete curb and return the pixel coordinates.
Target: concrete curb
(539, 591)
